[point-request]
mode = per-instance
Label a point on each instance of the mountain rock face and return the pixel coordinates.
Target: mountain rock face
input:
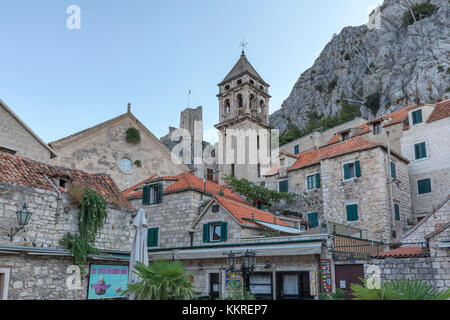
(395, 65)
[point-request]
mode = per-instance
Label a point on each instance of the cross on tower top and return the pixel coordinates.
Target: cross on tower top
(243, 45)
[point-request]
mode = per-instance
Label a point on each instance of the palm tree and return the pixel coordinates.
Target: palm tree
(399, 290)
(161, 280)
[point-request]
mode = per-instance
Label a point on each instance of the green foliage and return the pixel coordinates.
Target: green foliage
(133, 135)
(220, 193)
(338, 295)
(332, 84)
(161, 280)
(348, 112)
(93, 213)
(373, 102)
(399, 290)
(138, 163)
(237, 293)
(420, 11)
(254, 192)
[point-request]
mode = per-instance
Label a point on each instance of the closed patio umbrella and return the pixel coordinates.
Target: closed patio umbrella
(139, 250)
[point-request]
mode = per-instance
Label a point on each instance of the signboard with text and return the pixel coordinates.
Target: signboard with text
(107, 281)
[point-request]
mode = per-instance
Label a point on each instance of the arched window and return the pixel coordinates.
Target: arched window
(252, 101)
(240, 101)
(227, 106)
(261, 106)
(239, 81)
(227, 87)
(261, 88)
(252, 82)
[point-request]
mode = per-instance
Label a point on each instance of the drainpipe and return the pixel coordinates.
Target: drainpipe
(391, 198)
(58, 199)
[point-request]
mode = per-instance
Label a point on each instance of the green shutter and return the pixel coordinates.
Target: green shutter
(146, 195)
(397, 212)
(152, 237)
(424, 186)
(206, 232)
(393, 172)
(352, 212)
(346, 171)
(420, 150)
(159, 195)
(357, 169)
(313, 219)
(296, 149)
(283, 185)
(317, 180)
(417, 116)
(223, 231)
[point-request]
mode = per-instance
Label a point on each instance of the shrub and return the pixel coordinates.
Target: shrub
(420, 11)
(338, 295)
(76, 192)
(138, 163)
(133, 135)
(332, 84)
(373, 102)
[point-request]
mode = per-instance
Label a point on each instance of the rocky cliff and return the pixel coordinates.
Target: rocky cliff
(379, 69)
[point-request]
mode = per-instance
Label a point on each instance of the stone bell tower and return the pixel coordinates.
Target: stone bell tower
(244, 140)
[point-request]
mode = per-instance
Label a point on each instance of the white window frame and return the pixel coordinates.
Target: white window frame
(314, 182)
(211, 230)
(4, 291)
(414, 151)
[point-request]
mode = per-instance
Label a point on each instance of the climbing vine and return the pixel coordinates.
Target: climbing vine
(93, 213)
(133, 135)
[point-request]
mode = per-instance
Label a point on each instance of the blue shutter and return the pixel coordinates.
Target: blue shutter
(146, 195)
(397, 212)
(393, 172)
(223, 231)
(346, 171)
(317, 180)
(357, 169)
(296, 149)
(206, 232)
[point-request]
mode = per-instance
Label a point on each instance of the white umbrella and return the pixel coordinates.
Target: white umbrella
(139, 250)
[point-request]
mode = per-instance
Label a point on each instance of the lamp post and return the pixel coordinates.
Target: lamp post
(23, 216)
(248, 266)
(231, 260)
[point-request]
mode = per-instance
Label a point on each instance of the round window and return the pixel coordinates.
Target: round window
(125, 165)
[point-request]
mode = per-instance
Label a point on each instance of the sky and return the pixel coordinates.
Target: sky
(151, 53)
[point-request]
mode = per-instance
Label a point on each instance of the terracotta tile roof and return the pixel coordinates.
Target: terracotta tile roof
(346, 146)
(272, 171)
(290, 154)
(242, 212)
(183, 181)
(441, 111)
(25, 172)
(404, 252)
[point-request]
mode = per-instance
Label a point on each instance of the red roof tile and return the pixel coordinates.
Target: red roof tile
(346, 146)
(441, 111)
(242, 212)
(415, 251)
(25, 172)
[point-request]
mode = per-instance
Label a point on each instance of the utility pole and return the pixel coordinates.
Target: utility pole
(391, 204)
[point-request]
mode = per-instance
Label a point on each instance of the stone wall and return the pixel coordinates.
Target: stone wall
(44, 277)
(45, 229)
(441, 260)
(102, 151)
(15, 137)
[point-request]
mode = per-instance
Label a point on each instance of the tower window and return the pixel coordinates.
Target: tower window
(261, 106)
(240, 101)
(252, 82)
(261, 88)
(227, 106)
(227, 87)
(252, 101)
(239, 81)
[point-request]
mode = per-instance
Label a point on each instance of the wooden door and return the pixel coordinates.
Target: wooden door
(346, 274)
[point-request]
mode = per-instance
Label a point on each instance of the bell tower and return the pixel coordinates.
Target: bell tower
(244, 105)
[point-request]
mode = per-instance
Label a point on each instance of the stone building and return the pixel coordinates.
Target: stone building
(33, 263)
(244, 132)
(348, 183)
(17, 138)
(104, 149)
(199, 223)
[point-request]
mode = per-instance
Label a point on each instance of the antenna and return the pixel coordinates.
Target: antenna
(189, 98)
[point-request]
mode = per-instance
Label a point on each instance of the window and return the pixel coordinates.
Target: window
(227, 87)
(345, 136)
(282, 163)
(152, 237)
(257, 142)
(7, 150)
(352, 170)
(239, 100)
(261, 88)
(420, 150)
(125, 165)
(283, 186)
(261, 106)
(376, 128)
(424, 186)
(310, 182)
(227, 106)
(259, 170)
(214, 232)
(4, 283)
(209, 174)
(352, 212)
(252, 82)
(397, 212)
(239, 81)
(232, 169)
(313, 219)
(393, 172)
(261, 285)
(416, 116)
(296, 149)
(152, 194)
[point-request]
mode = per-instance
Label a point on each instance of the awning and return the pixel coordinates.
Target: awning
(280, 228)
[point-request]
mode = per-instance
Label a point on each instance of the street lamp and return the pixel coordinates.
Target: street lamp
(23, 216)
(231, 260)
(248, 266)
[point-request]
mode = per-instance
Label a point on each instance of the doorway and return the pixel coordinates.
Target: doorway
(346, 274)
(293, 285)
(214, 286)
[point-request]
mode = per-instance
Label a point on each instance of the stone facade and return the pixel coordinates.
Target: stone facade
(436, 166)
(440, 256)
(101, 148)
(19, 138)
